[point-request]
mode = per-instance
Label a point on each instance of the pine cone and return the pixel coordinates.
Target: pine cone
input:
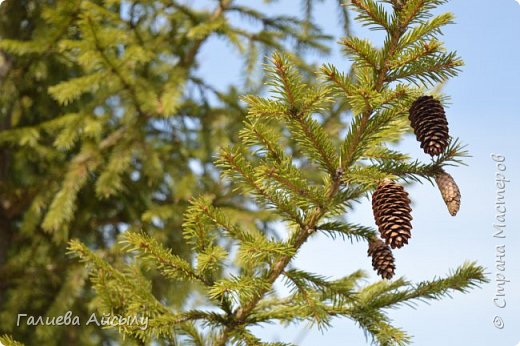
(382, 258)
(391, 208)
(430, 125)
(450, 192)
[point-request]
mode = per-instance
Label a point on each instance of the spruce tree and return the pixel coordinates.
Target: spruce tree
(107, 126)
(296, 168)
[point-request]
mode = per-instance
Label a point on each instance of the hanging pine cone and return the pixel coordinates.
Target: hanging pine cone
(430, 125)
(382, 258)
(450, 191)
(391, 208)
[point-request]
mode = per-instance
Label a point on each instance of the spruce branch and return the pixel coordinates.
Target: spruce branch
(46, 46)
(321, 291)
(297, 240)
(9, 341)
(371, 13)
(63, 206)
(258, 133)
(284, 173)
(351, 149)
(237, 167)
(127, 85)
(350, 231)
(427, 69)
(372, 301)
(467, 276)
(297, 187)
(315, 309)
(102, 268)
(340, 80)
(362, 51)
(170, 265)
(194, 337)
(365, 132)
(425, 30)
(416, 11)
(415, 170)
(127, 293)
(417, 52)
(188, 59)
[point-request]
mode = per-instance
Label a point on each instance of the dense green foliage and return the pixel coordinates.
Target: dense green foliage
(106, 126)
(109, 137)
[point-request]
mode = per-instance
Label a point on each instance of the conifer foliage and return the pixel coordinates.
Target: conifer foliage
(294, 170)
(286, 167)
(107, 124)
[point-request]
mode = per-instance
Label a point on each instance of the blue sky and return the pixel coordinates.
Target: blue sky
(484, 113)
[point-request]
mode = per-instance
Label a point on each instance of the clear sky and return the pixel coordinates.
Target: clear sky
(484, 113)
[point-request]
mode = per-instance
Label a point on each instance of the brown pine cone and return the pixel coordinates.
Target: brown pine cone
(428, 120)
(391, 208)
(382, 258)
(450, 192)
